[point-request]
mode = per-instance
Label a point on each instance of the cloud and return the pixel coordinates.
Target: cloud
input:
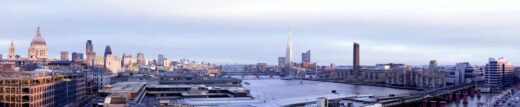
(244, 31)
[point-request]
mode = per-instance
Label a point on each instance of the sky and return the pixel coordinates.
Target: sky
(251, 31)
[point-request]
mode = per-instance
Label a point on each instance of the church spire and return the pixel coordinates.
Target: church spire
(12, 52)
(38, 31)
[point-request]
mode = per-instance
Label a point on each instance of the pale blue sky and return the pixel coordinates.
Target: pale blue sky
(247, 31)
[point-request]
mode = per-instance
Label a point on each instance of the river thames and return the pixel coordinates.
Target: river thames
(277, 88)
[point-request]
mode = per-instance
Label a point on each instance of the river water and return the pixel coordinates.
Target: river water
(277, 88)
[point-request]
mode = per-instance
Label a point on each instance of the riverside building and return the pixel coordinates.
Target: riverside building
(42, 89)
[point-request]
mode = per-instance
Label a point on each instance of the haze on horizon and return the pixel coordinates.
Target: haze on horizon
(245, 31)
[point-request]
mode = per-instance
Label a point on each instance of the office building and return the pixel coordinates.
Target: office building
(91, 55)
(77, 57)
(42, 89)
(160, 60)
(99, 61)
(64, 55)
(306, 57)
(499, 74)
(461, 73)
(281, 61)
(140, 59)
(111, 62)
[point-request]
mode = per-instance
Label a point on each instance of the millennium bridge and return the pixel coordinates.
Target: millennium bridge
(437, 97)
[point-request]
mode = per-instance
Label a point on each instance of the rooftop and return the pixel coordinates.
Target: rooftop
(30, 75)
(126, 86)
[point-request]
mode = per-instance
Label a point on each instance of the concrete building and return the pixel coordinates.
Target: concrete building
(356, 64)
(461, 73)
(122, 94)
(42, 89)
(433, 77)
(77, 57)
(64, 56)
(129, 63)
(281, 61)
(89, 51)
(306, 57)
(38, 49)
(110, 61)
(160, 60)
(99, 61)
(141, 60)
(499, 74)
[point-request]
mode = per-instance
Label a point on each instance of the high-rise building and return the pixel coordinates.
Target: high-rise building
(108, 57)
(77, 57)
(435, 77)
(160, 60)
(12, 52)
(306, 57)
(289, 51)
(140, 59)
(460, 73)
(64, 55)
(91, 55)
(356, 65)
(499, 74)
(433, 66)
(38, 49)
(281, 61)
(111, 62)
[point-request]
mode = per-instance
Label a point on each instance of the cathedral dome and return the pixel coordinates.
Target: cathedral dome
(38, 39)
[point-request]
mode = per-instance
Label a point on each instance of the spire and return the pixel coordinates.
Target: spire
(289, 51)
(12, 51)
(38, 31)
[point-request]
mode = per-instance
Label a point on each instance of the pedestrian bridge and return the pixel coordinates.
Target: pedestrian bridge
(433, 97)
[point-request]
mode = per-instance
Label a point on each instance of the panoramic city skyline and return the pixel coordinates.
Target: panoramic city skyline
(250, 32)
(259, 53)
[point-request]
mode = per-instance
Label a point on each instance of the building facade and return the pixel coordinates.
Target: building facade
(38, 49)
(41, 89)
(91, 55)
(356, 61)
(306, 57)
(141, 60)
(64, 56)
(77, 57)
(499, 74)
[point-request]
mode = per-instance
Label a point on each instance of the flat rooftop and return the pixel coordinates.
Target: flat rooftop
(30, 75)
(127, 86)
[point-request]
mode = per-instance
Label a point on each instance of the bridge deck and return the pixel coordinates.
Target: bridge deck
(422, 95)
